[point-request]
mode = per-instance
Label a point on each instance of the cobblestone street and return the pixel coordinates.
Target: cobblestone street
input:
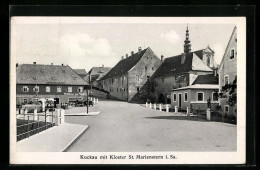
(130, 127)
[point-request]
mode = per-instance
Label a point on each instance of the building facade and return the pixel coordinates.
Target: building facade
(196, 96)
(95, 74)
(130, 74)
(34, 81)
(228, 72)
(180, 71)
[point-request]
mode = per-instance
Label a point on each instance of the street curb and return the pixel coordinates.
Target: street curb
(83, 114)
(74, 140)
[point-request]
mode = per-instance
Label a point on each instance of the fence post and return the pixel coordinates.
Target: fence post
(188, 111)
(28, 127)
(35, 114)
(150, 105)
(176, 109)
(97, 101)
(208, 114)
(160, 107)
(167, 108)
(154, 106)
(25, 111)
(146, 104)
(94, 101)
(62, 116)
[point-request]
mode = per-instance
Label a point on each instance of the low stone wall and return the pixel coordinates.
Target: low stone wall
(202, 107)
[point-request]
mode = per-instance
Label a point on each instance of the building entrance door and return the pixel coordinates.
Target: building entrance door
(179, 100)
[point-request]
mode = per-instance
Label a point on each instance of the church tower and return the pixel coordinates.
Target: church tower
(187, 45)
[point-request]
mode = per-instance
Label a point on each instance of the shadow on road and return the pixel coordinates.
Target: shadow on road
(178, 118)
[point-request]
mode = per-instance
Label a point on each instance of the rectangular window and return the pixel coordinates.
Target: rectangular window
(174, 97)
(69, 89)
(232, 54)
(185, 96)
(59, 89)
(148, 78)
(226, 108)
(48, 89)
(226, 80)
(25, 89)
(215, 96)
(200, 96)
(80, 89)
(138, 89)
(25, 100)
(36, 89)
(137, 78)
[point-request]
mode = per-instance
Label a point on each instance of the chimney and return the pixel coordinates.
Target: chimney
(16, 64)
(51, 63)
(62, 64)
(162, 57)
(34, 63)
(122, 57)
(132, 53)
(139, 49)
(103, 65)
(126, 55)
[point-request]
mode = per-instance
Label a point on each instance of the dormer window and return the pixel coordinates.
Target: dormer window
(232, 54)
(34, 77)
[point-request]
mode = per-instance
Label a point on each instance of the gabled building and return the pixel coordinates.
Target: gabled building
(95, 74)
(196, 95)
(81, 72)
(35, 81)
(228, 72)
(129, 75)
(180, 71)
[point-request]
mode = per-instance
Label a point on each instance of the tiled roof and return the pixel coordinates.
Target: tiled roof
(47, 74)
(206, 79)
(99, 70)
(80, 71)
(125, 65)
(173, 65)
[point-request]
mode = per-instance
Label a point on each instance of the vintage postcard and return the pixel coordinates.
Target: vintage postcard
(128, 90)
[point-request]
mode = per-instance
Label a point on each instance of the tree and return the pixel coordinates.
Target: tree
(230, 91)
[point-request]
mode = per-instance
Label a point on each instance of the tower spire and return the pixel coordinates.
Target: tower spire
(187, 45)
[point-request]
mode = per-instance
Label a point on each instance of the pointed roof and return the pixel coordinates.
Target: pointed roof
(80, 71)
(98, 70)
(47, 74)
(125, 65)
(172, 65)
(234, 32)
(206, 79)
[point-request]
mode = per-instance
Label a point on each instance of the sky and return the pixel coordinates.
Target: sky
(87, 42)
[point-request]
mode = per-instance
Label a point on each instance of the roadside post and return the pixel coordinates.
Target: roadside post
(154, 106)
(160, 107)
(150, 105)
(188, 111)
(146, 104)
(167, 108)
(176, 109)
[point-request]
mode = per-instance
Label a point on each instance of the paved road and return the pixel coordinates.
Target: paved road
(129, 127)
